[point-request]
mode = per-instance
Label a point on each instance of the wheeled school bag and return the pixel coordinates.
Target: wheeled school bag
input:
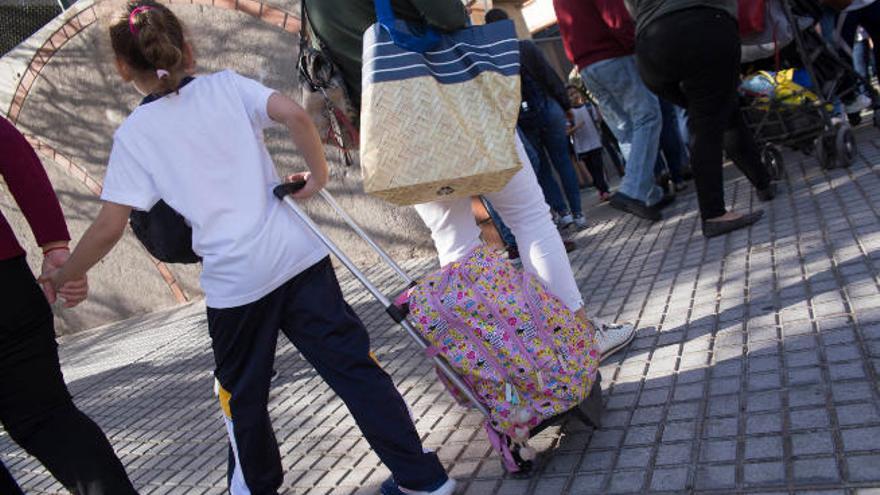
(523, 353)
(500, 341)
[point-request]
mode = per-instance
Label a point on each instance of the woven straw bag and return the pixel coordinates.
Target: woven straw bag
(438, 112)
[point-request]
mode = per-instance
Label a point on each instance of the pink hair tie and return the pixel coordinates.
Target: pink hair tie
(162, 73)
(132, 18)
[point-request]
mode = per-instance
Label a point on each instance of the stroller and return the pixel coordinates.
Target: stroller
(802, 118)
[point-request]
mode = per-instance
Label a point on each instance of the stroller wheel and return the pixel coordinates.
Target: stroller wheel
(845, 146)
(824, 152)
(772, 159)
(854, 118)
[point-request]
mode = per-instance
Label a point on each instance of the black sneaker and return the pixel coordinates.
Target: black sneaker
(713, 229)
(667, 200)
(638, 208)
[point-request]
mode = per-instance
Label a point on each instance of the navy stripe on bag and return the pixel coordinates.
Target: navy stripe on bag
(457, 57)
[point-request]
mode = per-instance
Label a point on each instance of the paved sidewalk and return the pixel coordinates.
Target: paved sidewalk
(754, 371)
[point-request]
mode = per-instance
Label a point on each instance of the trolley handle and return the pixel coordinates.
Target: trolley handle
(397, 313)
(281, 191)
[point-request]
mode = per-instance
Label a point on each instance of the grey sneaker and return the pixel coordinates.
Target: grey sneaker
(580, 222)
(612, 337)
(564, 221)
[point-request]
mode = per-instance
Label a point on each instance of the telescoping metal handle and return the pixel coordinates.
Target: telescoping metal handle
(284, 191)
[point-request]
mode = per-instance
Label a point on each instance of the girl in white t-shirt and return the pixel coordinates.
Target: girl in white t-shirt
(197, 144)
(587, 140)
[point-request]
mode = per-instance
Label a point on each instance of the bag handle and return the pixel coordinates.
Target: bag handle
(420, 44)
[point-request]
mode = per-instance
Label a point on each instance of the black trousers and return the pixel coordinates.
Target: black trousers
(35, 406)
(691, 58)
(312, 313)
(594, 163)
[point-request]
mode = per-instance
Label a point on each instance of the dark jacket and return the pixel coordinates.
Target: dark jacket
(533, 65)
(595, 30)
(340, 24)
(647, 11)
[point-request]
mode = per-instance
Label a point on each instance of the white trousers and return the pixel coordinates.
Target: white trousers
(522, 207)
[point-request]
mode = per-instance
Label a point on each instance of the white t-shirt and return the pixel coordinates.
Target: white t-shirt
(202, 151)
(586, 138)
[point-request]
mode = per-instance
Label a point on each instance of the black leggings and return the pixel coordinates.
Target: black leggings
(35, 406)
(593, 161)
(691, 58)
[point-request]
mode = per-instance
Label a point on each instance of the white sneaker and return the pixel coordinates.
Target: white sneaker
(564, 221)
(580, 222)
(612, 337)
(860, 103)
(390, 487)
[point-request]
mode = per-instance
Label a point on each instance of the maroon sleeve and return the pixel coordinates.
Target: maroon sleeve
(620, 24)
(29, 185)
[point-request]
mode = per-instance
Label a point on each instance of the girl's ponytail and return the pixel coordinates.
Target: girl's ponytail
(150, 38)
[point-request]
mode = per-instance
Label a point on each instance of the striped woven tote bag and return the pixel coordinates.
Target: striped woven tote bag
(438, 110)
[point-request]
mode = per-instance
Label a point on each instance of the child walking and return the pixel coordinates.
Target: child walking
(197, 144)
(587, 140)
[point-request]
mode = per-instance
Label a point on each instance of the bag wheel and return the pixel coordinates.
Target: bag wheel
(845, 146)
(526, 468)
(771, 157)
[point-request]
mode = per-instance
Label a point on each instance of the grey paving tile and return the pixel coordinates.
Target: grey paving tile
(762, 447)
(764, 473)
(821, 470)
(587, 484)
(626, 481)
(670, 480)
(863, 467)
(861, 438)
(718, 450)
(716, 477)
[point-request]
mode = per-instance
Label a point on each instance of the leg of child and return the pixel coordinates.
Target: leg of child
(593, 160)
(328, 333)
(244, 339)
(585, 179)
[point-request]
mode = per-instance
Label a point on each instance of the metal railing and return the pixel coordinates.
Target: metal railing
(19, 19)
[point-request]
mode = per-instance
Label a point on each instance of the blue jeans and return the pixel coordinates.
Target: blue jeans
(549, 138)
(633, 114)
(671, 144)
(505, 232)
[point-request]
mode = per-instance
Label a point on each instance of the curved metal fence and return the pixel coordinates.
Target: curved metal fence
(21, 18)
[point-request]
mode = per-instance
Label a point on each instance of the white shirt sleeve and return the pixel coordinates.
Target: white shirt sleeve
(255, 97)
(126, 182)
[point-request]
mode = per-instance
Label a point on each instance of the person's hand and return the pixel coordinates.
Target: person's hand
(312, 187)
(569, 116)
(73, 292)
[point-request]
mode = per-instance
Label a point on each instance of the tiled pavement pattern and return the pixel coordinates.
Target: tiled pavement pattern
(754, 371)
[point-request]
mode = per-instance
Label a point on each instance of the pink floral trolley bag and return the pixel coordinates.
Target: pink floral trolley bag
(519, 349)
